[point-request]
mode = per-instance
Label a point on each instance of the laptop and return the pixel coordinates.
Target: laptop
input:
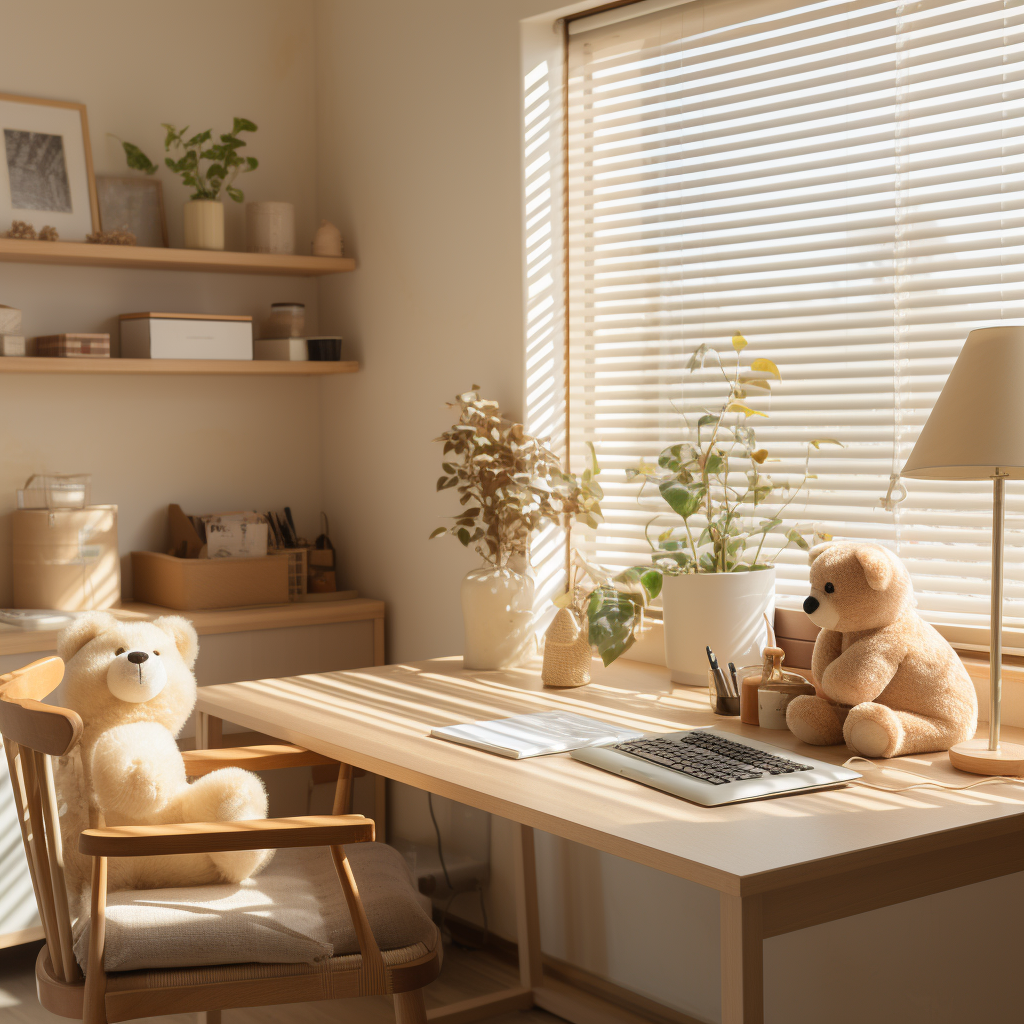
(711, 768)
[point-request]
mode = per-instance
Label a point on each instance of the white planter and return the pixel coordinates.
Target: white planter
(723, 610)
(497, 610)
(204, 224)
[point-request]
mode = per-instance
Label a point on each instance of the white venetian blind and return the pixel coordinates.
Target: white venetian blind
(842, 183)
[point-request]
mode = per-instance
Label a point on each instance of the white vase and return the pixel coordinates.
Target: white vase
(721, 610)
(497, 610)
(204, 224)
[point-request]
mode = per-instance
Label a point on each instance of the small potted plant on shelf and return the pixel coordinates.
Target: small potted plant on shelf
(508, 483)
(718, 578)
(208, 168)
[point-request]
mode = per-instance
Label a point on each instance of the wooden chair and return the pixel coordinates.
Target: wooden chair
(34, 732)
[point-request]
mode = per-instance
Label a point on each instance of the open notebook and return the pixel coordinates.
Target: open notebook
(546, 732)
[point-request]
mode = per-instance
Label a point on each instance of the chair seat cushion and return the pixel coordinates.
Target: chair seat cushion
(294, 911)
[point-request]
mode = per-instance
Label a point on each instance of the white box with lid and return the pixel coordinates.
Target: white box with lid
(185, 336)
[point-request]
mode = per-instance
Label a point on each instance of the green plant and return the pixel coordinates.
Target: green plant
(508, 482)
(613, 607)
(714, 482)
(223, 161)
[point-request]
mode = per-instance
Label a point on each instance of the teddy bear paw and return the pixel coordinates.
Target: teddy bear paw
(872, 730)
(814, 720)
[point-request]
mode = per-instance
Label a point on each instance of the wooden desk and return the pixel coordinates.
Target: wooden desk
(779, 865)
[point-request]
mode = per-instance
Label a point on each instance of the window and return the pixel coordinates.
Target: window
(842, 183)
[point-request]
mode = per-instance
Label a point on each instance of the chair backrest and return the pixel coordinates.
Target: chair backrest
(34, 732)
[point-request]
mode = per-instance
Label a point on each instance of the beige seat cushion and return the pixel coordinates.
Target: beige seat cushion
(292, 912)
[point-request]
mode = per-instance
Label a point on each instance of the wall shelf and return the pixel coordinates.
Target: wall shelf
(219, 367)
(84, 254)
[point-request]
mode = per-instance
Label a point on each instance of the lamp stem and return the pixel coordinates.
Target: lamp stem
(996, 619)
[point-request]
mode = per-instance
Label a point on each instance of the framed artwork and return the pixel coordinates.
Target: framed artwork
(134, 204)
(46, 166)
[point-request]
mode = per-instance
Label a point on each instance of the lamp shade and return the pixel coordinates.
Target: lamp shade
(977, 425)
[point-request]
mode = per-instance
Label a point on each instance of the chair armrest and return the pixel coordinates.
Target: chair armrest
(256, 759)
(223, 836)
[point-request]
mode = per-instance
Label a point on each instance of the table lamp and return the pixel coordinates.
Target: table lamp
(976, 432)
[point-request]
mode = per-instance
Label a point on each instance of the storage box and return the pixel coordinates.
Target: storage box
(192, 584)
(185, 336)
(13, 345)
(326, 348)
(77, 346)
(10, 320)
(66, 559)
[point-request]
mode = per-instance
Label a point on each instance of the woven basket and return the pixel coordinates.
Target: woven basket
(566, 651)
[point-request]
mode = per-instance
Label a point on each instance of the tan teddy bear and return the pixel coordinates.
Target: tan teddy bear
(133, 686)
(889, 684)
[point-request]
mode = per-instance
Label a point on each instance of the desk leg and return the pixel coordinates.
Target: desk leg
(531, 972)
(742, 960)
(209, 731)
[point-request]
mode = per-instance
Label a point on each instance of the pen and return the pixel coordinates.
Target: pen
(721, 682)
(732, 672)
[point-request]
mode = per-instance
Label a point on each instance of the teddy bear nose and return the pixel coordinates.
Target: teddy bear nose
(810, 606)
(138, 657)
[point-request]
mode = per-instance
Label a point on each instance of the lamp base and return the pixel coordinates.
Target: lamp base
(974, 756)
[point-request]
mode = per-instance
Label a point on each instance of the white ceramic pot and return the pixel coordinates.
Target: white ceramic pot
(497, 610)
(723, 610)
(204, 224)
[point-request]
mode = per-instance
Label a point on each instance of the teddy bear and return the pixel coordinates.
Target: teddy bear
(132, 685)
(888, 683)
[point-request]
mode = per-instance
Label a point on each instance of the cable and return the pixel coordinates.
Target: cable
(444, 867)
(437, 832)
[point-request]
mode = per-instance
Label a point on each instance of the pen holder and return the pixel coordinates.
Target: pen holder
(722, 704)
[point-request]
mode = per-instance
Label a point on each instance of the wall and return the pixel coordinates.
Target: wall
(203, 442)
(420, 122)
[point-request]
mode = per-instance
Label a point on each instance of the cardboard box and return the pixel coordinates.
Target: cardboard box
(66, 559)
(13, 345)
(10, 320)
(193, 584)
(76, 346)
(185, 336)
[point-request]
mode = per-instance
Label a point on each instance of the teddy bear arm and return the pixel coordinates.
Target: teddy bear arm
(861, 672)
(827, 647)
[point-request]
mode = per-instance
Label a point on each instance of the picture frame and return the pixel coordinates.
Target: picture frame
(133, 203)
(46, 170)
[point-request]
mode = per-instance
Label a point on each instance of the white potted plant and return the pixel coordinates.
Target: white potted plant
(508, 484)
(718, 582)
(206, 167)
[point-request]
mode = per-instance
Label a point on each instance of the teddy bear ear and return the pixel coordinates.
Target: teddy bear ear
(877, 565)
(818, 549)
(185, 637)
(71, 639)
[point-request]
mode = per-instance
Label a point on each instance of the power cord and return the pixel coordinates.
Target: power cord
(479, 890)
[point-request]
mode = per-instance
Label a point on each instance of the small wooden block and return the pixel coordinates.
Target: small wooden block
(975, 757)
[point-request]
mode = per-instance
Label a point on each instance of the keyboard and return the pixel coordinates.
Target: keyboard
(710, 767)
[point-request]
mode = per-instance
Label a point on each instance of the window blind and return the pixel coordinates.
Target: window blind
(841, 183)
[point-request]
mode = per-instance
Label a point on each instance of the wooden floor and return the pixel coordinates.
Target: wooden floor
(465, 974)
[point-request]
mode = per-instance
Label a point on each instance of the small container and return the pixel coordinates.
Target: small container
(286, 320)
(750, 677)
(270, 227)
(722, 704)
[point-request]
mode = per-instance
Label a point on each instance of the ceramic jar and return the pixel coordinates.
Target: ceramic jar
(286, 320)
(270, 227)
(204, 224)
(327, 240)
(497, 611)
(721, 610)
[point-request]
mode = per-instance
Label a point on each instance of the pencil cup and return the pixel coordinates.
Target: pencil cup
(721, 704)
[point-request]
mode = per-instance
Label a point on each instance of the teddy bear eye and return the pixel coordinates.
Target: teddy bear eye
(829, 589)
(119, 652)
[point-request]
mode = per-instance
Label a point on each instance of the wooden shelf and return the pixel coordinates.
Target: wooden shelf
(216, 367)
(83, 254)
(218, 620)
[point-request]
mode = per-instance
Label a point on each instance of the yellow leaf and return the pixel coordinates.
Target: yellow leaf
(760, 455)
(766, 366)
(745, 409)
(739, 342)
(563, 600)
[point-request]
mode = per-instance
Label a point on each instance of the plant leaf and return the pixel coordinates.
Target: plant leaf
(794, 537)
(739, 342)
(766, 366)
(819, 441)
(612, 617)
(745, 409)
(563, 600)
(438, 532)
(683, 499)
(760, 455)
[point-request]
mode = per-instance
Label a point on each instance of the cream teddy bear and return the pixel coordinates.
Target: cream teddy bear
(132, 685)
(888, 683)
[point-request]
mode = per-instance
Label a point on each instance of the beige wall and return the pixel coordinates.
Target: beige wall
(209, 443)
